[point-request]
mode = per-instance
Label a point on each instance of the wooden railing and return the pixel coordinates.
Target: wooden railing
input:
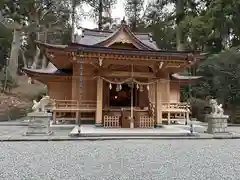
(73, 104)
(65, 104)
(180, 105)
(87, 104)
(173, 111)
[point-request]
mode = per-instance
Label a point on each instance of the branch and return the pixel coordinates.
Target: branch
(57, 21)
(44, 14)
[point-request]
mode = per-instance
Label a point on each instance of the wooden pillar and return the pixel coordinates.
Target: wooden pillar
(99, 106)
(54, 117)
(158, 101)
(167, 94)
(105, 95)
(75, 88)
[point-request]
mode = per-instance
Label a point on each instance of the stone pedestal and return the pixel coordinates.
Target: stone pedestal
(39, 123)
(217, 123)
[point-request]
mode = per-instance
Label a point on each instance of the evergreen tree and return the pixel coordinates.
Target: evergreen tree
(133, 9)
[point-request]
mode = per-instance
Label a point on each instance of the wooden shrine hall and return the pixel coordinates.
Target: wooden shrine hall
(115, 79)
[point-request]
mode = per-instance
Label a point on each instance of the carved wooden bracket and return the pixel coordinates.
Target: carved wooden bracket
(160, 65)
(73, 56)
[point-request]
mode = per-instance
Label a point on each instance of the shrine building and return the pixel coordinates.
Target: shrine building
(116, 79)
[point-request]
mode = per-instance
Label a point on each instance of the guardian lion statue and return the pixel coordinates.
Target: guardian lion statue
(216, 109)
(40, 106)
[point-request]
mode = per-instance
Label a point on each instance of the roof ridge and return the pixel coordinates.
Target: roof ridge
(97, 30)
(111, 31)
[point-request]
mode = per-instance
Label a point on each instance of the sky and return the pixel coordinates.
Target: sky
(117, 12)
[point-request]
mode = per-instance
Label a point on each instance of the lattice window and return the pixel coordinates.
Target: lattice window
(146, 122)
(111, 121)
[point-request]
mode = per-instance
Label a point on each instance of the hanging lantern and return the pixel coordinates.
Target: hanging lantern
(148, 87)
(141, 88)
(110, 86)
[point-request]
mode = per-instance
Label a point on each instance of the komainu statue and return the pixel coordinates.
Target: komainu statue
(40, 106)
(216, 109)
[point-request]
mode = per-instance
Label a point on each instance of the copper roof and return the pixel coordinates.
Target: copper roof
(182, 77)
(52, 70)
(95, 37)
(49, 70)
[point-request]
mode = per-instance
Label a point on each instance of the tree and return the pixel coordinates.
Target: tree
(133, 9)
(159, 22)
(13, 16)
(102, 12)
(29, 19)
(5, 44)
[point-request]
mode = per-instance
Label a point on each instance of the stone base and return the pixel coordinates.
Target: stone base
(39, 124)
(98, 125)
(217, 123)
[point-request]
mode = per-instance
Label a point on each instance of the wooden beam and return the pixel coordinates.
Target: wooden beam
(129, 61)
(127, 74)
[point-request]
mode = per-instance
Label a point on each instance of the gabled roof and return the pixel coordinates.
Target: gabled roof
(49, 70)
(101, 38)
(176, 55)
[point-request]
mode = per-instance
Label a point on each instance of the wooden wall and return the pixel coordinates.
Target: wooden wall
(143, 98)
(174, 92)
(60, 90)
(89, 90)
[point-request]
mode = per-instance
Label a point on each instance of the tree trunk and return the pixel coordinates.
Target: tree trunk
(24, 58)
(73, 20)
(179, 31)
(36, 58)
(13, 61)
(100, 12)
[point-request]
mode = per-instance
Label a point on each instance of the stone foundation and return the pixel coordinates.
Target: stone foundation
(217, 123)
(39, 124)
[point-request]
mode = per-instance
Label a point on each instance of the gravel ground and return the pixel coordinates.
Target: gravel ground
(121, 160)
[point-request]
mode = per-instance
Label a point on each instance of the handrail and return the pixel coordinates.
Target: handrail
(180, 105)
(74, 104)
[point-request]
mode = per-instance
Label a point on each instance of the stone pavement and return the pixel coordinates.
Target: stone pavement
(13, 131)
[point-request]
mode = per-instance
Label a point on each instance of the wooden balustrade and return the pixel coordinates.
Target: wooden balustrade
(179, 111)
(73, 104)
(65, 104)
(175, 106)
(170, 111)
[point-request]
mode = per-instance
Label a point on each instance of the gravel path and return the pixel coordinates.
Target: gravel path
(121, 160)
